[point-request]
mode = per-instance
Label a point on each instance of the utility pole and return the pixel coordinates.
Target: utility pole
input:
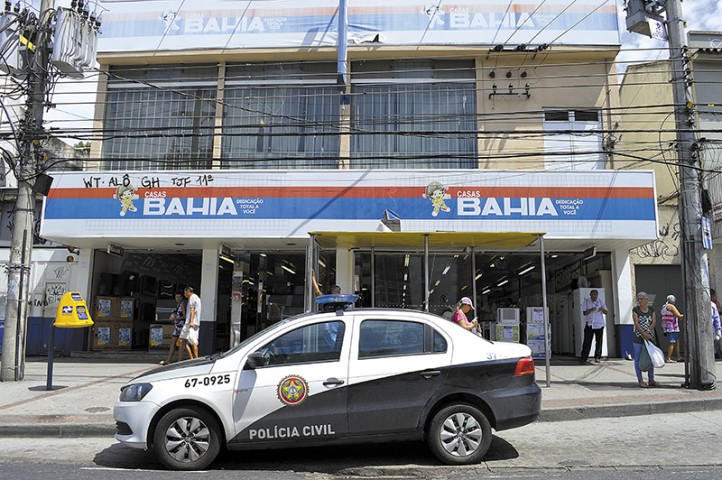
(701, 367)
(31, 134)
(645, 17)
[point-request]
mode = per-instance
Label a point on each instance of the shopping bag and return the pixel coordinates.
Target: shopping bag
(193, 336)
(655, 354)
(645, 362)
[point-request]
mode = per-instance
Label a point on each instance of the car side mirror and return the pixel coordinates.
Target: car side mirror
(254, 360)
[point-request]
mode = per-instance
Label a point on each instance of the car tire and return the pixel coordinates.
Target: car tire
(187, 439)
(459, 434)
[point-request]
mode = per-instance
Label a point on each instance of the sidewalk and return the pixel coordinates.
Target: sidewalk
(85, 390)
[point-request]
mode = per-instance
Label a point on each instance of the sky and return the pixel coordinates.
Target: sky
(75, 106)
(698, 14)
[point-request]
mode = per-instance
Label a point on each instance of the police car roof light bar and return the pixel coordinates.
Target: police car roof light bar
(335, 302)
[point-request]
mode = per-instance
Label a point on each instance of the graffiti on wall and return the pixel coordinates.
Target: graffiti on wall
(59, 273)
(7, 222)
(666, 247)
(53, 293)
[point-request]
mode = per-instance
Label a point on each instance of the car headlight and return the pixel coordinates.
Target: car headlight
(135, 392)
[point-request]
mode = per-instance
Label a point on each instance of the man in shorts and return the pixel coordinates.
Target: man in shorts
(190, 332)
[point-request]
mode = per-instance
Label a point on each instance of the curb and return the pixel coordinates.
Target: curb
(628, 410)
(562, 414)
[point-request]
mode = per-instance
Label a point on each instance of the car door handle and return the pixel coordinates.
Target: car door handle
(430, 374)
(332, 382)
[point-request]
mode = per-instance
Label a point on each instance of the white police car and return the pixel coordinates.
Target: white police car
(339, 376)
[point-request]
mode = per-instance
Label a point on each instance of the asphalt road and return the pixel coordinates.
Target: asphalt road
(679, 446)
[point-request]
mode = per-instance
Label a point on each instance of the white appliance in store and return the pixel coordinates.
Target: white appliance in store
(580, 321)
(506, 327)
(504, 332)
(535, 336)
(507, 316)
(561, 325)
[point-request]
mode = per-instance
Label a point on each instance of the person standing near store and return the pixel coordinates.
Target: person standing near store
(462, 308)
(713, 296)
(594, 311)
(716, 327)
(179, 318)
(644, 319)
(670, 326)
(190, 333)
(331, 332)
(335, 289)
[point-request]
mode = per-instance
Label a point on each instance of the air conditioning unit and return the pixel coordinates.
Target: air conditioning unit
(507, 316)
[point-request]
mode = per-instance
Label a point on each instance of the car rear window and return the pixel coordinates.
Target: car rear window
(392, 338)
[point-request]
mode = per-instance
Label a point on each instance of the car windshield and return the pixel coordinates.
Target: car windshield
(263, 332)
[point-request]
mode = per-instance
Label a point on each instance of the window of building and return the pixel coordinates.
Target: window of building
(160, 118)
(282, 116)
(573, 140)
(413, 114)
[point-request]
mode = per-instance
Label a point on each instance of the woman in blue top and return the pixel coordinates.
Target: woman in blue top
(644, 321)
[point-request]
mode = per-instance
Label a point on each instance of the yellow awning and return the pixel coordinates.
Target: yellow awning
(414, 240)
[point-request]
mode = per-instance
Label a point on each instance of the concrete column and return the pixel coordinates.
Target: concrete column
(220, 103)
(345, 270)
(80, 278)
(209, 295)
(625, 300)
(96, 145)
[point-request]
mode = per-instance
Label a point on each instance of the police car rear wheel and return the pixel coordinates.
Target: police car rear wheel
(459, 434)
(187, 439)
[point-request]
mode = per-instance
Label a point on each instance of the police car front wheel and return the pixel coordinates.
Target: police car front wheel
(459, 434)
(187, 439)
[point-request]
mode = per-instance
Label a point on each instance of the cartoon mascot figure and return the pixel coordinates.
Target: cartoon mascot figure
(436, 192)
(126, 194)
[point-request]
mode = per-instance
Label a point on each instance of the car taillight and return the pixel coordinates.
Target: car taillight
(525, 366)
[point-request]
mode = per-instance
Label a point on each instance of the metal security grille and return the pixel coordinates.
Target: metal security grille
(164, 129)
(404, 114)
(414, 126)
(572, 140)
(280, 127)
(413, 114)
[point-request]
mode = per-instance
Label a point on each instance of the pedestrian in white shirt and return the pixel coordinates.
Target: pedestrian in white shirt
(594, 311)
(190, 331)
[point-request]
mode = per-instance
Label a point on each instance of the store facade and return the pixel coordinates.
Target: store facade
(252, 150)
(249, 241)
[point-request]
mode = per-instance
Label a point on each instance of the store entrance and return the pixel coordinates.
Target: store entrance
(133, 296)
(268, 286)
(221, 339)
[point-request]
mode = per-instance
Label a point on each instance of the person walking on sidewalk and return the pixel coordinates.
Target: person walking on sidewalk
(594, 310)
(190, 333)
(644, 319)
(179, 319)
(670, 326)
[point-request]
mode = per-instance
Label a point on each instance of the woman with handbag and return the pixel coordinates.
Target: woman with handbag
(670, 326)
(644, 319)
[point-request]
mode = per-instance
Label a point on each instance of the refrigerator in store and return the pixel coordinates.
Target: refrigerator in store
(535, 337)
